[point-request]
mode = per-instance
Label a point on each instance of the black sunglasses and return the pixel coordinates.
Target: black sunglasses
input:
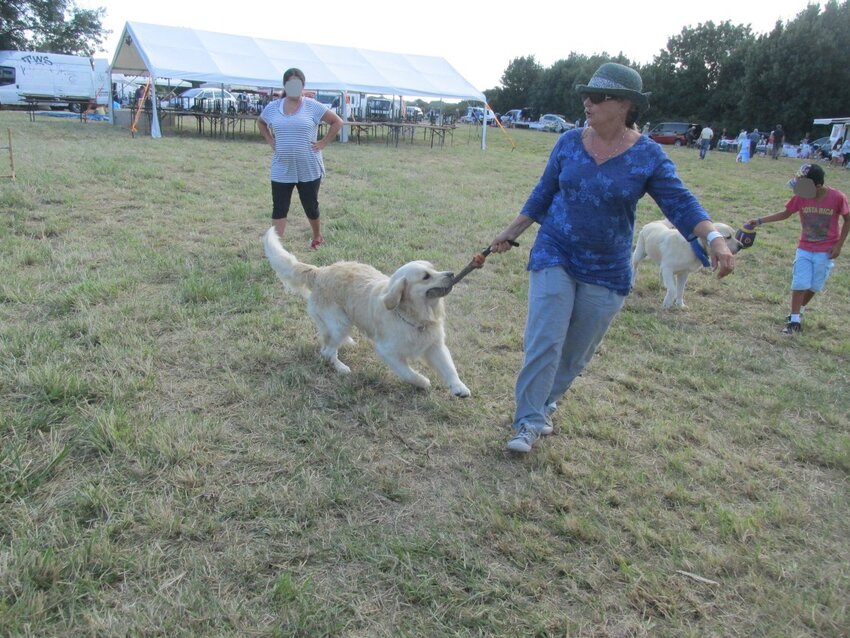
(597, 98)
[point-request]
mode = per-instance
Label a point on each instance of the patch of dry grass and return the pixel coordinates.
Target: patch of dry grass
(175, 459)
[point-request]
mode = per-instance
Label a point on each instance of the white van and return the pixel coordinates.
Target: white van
(474, 114)
(52, 79)
(379, 109)
(413, 113)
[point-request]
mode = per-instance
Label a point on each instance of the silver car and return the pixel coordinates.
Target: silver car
(202, 100)
(556, 123)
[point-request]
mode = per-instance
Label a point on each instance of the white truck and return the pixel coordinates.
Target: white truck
(519, 118)
(474, 115)
(55, 80)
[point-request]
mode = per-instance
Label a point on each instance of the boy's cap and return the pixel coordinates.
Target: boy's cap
(813, 171)
(808, 178)
(816, 174)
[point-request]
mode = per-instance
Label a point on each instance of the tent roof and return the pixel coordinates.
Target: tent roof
(205, 56)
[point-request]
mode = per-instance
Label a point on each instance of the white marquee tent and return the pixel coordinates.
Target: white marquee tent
(204, 56)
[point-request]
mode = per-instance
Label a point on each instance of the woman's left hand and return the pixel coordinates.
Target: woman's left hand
(318, 145)
(722, 260)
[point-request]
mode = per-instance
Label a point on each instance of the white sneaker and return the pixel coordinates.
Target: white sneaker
(523, 440)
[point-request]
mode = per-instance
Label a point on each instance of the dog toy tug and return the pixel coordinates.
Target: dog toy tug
(477, 262)
(746, 235)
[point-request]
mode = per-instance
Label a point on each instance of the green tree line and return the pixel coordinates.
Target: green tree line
(719, 74)
(57, 26)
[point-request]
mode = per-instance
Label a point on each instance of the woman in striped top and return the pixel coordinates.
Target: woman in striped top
(290, 126)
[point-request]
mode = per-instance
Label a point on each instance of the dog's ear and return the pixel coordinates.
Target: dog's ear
(394, 292)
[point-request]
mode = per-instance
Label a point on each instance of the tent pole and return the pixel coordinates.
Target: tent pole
(346, 116)
(155, 132)
(111, 100)
(223, 132)
(484, 128)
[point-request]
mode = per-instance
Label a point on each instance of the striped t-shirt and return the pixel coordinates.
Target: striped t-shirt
(294, 159)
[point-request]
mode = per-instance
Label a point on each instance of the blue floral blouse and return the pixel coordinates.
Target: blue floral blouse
(587, 212)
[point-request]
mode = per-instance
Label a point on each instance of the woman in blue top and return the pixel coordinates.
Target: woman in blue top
(580, 264)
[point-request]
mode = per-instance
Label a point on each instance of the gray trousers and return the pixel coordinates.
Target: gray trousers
(566, 322)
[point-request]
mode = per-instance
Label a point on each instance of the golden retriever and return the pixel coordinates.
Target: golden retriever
(402, 315)
(666, 246)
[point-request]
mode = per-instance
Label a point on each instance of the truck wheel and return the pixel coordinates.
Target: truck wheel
(75, 107)
(677, 143)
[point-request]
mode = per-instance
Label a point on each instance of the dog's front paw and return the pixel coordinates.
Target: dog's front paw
(460, 390)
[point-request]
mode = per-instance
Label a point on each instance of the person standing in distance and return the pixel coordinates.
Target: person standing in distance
(705, 136)
(290, 126)
(754, 138)
(580, 264)
(778, 141)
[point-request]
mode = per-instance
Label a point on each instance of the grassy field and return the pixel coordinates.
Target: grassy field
(176, 460)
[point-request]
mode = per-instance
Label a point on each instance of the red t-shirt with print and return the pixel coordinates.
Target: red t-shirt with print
(819, 219)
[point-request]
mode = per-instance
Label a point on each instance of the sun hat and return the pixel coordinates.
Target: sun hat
(618, 80)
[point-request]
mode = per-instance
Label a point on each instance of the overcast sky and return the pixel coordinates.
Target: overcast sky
(478, 39)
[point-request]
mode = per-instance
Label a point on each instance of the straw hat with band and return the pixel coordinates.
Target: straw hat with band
(620, 81)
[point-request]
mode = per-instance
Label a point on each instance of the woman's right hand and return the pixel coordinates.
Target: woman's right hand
(502, 243)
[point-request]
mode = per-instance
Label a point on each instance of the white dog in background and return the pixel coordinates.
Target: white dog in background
(666, 246)
(402, 315)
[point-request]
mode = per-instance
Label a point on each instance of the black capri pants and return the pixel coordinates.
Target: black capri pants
(308, 193)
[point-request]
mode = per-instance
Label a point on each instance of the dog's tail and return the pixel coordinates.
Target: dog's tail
(297, 278)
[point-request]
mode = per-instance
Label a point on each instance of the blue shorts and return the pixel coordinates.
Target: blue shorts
(811, 270)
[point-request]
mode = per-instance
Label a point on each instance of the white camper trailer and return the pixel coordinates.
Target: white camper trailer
(52, 79)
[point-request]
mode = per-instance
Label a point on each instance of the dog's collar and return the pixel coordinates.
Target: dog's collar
(419, 327)
(699, 251)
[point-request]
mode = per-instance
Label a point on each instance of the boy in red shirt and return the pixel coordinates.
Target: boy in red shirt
(821, 238)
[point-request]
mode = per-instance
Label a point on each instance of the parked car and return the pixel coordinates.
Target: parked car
(509, 117)
(413, 113)
(556, 123)
(249, 103)
(822, 146)
(519, 118)
(206, 100)
(672, 133)
(474, 115)
(379, 109)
